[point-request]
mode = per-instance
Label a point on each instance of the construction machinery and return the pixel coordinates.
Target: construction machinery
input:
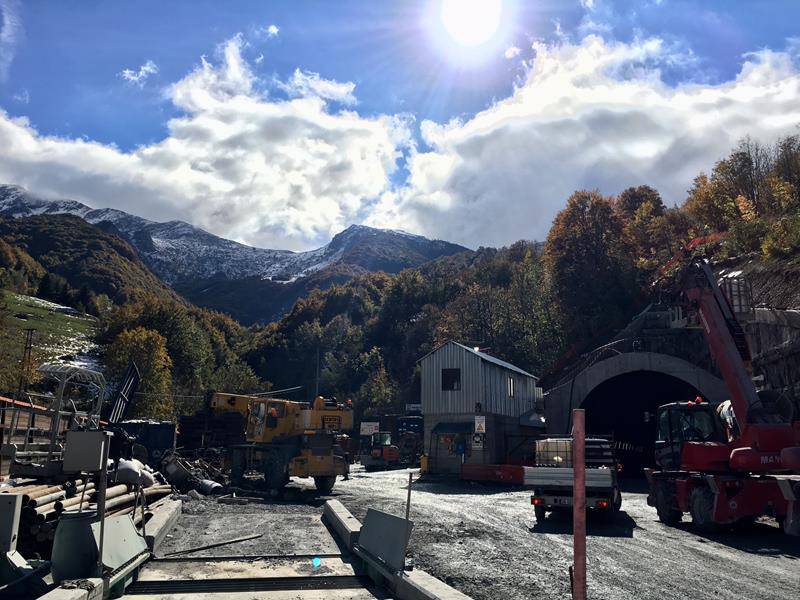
(284, 439)
(379, 453)
(732, 463)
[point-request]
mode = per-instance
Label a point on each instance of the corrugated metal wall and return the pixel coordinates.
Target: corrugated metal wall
(481, 381)
(437, 401)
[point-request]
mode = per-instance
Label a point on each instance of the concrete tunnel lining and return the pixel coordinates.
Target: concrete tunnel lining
(560, 401)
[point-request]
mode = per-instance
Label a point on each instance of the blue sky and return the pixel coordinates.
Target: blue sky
(440, 117)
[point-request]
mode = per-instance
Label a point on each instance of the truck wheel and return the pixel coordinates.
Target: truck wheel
(275, 471)
(539, 512)
(701, 505)
(324, 484)
(667, 513)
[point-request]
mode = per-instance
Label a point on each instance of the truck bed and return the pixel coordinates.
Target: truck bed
(562, 477)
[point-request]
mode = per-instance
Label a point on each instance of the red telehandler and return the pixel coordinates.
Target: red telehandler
(725, 468)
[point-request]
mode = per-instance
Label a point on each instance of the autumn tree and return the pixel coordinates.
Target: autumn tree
(588, 267)
(148, 349)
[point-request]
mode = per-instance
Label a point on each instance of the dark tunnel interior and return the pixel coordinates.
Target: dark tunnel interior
(625, 406)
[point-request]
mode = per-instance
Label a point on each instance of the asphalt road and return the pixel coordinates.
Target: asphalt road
(485, 542)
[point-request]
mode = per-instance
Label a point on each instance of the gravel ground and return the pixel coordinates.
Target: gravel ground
(484, 541)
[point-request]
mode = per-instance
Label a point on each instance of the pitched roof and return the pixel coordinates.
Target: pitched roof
(483, 356)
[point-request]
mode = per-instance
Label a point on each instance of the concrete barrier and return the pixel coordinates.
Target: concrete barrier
(164, 519)
(419, 585)
(81, 589)
(406, 585)
(343, 523)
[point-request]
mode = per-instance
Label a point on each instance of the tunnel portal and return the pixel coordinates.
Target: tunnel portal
(625, 406)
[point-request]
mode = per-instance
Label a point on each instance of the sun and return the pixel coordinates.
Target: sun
(471, 22)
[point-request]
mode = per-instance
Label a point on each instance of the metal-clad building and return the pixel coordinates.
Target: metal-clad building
(458, 383)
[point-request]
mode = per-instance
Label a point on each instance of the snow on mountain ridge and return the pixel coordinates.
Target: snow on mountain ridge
(179, 251)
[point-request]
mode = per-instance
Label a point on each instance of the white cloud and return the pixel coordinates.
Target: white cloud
(587, 4)
(308, 84)
(273, 173)
(259, 59)
(511, 52)
(139, 77)
(11, 32)
(272, 30)
(594, 114)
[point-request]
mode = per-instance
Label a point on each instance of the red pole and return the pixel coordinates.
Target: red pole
(579, 505)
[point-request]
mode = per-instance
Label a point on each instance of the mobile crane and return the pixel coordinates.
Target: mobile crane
(725, 471)
(286, 439)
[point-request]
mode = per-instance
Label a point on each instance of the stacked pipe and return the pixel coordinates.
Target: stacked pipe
(43, 504)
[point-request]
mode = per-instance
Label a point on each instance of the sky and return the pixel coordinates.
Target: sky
(280, 123)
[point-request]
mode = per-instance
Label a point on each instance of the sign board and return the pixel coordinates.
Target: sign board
(477, 440)
(413, 408)
(369, 427)
(332, 422)
(480, 423)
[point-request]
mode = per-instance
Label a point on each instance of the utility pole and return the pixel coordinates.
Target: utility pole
(316, 376)
(578, 569)
(26, 359)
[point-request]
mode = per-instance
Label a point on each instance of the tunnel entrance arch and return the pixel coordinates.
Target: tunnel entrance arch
(625, 406)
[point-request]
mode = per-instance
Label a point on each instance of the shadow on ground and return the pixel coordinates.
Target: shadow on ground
(596, 525)
(757, 538)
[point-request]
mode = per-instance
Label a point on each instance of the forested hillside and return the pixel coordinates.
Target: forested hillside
(534, 304)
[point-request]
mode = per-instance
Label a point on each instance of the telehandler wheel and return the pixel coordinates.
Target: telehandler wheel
(276, 474)
(539, 512)
(324, 484)
(701, 506)
(667, 513)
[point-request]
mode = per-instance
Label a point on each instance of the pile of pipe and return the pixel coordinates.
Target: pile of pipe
(44, 503)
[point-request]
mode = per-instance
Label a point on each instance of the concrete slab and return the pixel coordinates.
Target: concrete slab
(343, 523)
(419, 585)
(158, 570)
(163, 521)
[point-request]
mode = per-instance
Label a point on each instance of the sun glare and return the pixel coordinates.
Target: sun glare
(471, 22)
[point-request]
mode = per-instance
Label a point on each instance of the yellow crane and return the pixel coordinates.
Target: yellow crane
(286, 439)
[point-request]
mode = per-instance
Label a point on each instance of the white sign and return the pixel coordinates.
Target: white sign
(370, 427)
(413, 408)
(480, 424)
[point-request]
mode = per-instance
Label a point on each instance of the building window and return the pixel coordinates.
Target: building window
(510, 387)
(451, 380)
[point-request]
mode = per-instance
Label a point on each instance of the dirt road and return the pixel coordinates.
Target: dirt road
(485, 542)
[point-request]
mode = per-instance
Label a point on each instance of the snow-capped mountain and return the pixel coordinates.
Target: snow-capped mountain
(178, 252)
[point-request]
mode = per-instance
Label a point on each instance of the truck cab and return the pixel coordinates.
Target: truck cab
(680, 423)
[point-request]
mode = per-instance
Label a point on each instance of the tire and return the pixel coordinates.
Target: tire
(701, 506)
(539, 512)
(325, 484)
(665, 507)
(276, 474)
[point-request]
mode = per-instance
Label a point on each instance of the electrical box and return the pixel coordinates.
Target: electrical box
(10, 508)
(83, 451)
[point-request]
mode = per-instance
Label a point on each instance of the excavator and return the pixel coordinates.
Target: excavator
(733, 463)
(286, 439)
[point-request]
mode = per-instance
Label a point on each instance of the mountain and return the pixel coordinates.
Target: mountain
(83, 255)
(225, 275)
